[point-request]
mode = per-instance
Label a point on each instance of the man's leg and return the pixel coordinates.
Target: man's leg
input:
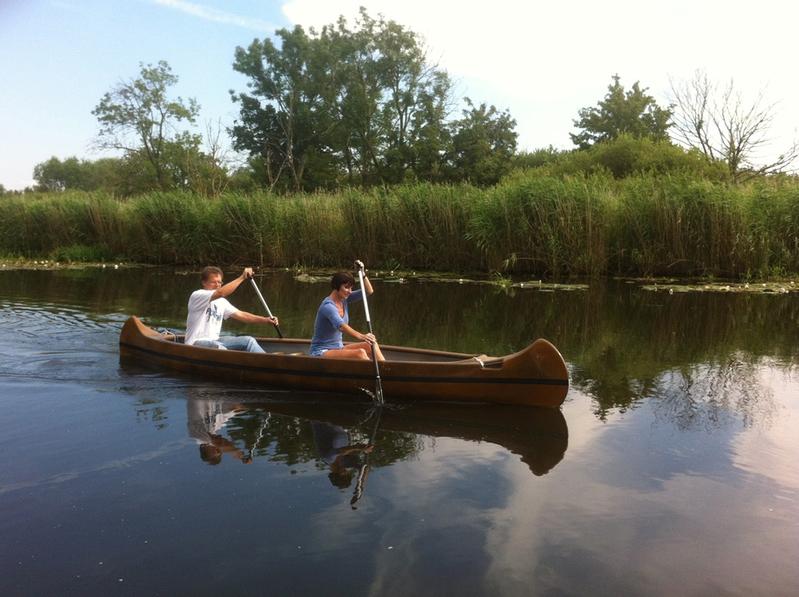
(209, 344)
(247, 343)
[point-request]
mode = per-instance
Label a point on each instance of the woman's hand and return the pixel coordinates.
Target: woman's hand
(370, 338)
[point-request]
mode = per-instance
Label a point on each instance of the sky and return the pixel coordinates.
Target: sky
(541, 61)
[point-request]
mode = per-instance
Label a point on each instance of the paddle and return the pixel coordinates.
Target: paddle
(261, 432)
(378, 383)
(263, 302)
(360, 483)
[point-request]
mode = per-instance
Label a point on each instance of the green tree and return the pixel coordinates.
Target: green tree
(284, 117)
(400, 101)
(537, 158)
(348, 105)
(138, 118)
(632, 112)
(483, 144)
(71, 173)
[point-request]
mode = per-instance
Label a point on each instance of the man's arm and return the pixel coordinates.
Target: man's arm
(246, 317)
(230, 287)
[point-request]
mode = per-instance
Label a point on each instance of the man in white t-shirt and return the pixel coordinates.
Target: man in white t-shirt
(208, 307)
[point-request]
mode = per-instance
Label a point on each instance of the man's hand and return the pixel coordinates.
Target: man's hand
(273, 320)
(247, 273)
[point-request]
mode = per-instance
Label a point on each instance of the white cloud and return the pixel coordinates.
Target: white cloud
(217, 16)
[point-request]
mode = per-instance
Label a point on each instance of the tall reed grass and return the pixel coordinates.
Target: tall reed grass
(531, 223)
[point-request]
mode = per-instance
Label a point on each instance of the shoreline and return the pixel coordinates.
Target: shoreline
(312, 275)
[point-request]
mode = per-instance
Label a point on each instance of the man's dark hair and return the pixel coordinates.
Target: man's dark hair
(210, 454)
(342, 278)
(210, 271)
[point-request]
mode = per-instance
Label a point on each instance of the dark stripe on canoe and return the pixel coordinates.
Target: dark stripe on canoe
(521, 381)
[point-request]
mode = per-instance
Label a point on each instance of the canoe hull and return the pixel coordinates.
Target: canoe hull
(535, 376)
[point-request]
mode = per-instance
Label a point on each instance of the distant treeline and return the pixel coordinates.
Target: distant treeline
(630, 207)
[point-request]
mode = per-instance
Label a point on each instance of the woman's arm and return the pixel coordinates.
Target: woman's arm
(355, 333)
(367, 285)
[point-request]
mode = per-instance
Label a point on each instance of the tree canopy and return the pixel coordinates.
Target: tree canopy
(139, 118)
(632, 112)
(358, 105)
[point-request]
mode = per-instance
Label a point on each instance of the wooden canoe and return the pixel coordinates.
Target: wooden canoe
(534, 376)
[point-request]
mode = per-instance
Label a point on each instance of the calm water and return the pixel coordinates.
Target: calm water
(671, 468)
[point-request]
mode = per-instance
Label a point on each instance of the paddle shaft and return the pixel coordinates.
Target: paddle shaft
(378, 383)
(360, 483)
(266, 307)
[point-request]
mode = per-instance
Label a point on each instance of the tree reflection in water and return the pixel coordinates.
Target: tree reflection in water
(711, 395)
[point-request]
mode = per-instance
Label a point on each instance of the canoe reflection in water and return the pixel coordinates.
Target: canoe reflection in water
(342, 437)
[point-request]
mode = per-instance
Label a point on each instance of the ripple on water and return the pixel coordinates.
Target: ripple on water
(57, 343)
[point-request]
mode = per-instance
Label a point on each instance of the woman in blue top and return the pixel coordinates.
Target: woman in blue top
(333, 318)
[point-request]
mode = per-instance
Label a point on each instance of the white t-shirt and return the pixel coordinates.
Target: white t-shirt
(205, 316)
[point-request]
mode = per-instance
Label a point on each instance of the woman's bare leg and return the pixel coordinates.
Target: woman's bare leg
(359, 350)
(354, 352)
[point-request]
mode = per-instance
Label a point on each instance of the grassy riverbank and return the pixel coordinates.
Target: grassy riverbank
(531, 223)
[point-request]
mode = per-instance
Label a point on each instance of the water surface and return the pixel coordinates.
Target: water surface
(670, 469)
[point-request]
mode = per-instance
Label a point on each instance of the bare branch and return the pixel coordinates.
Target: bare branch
(725, 127)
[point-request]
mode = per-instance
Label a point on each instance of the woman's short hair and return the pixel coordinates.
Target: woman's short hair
(340, 279)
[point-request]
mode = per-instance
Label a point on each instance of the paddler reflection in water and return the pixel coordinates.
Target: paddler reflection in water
(208, 307)
(334, 448)
(205, 419)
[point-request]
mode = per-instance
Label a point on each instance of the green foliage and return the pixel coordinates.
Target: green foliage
(536, 158)
(630, 112)
(626, 156)
(483, 143)
(544, 224)
(55, 175)
(531, 222)
(359, 106)
(81, 254)
(138, 117)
